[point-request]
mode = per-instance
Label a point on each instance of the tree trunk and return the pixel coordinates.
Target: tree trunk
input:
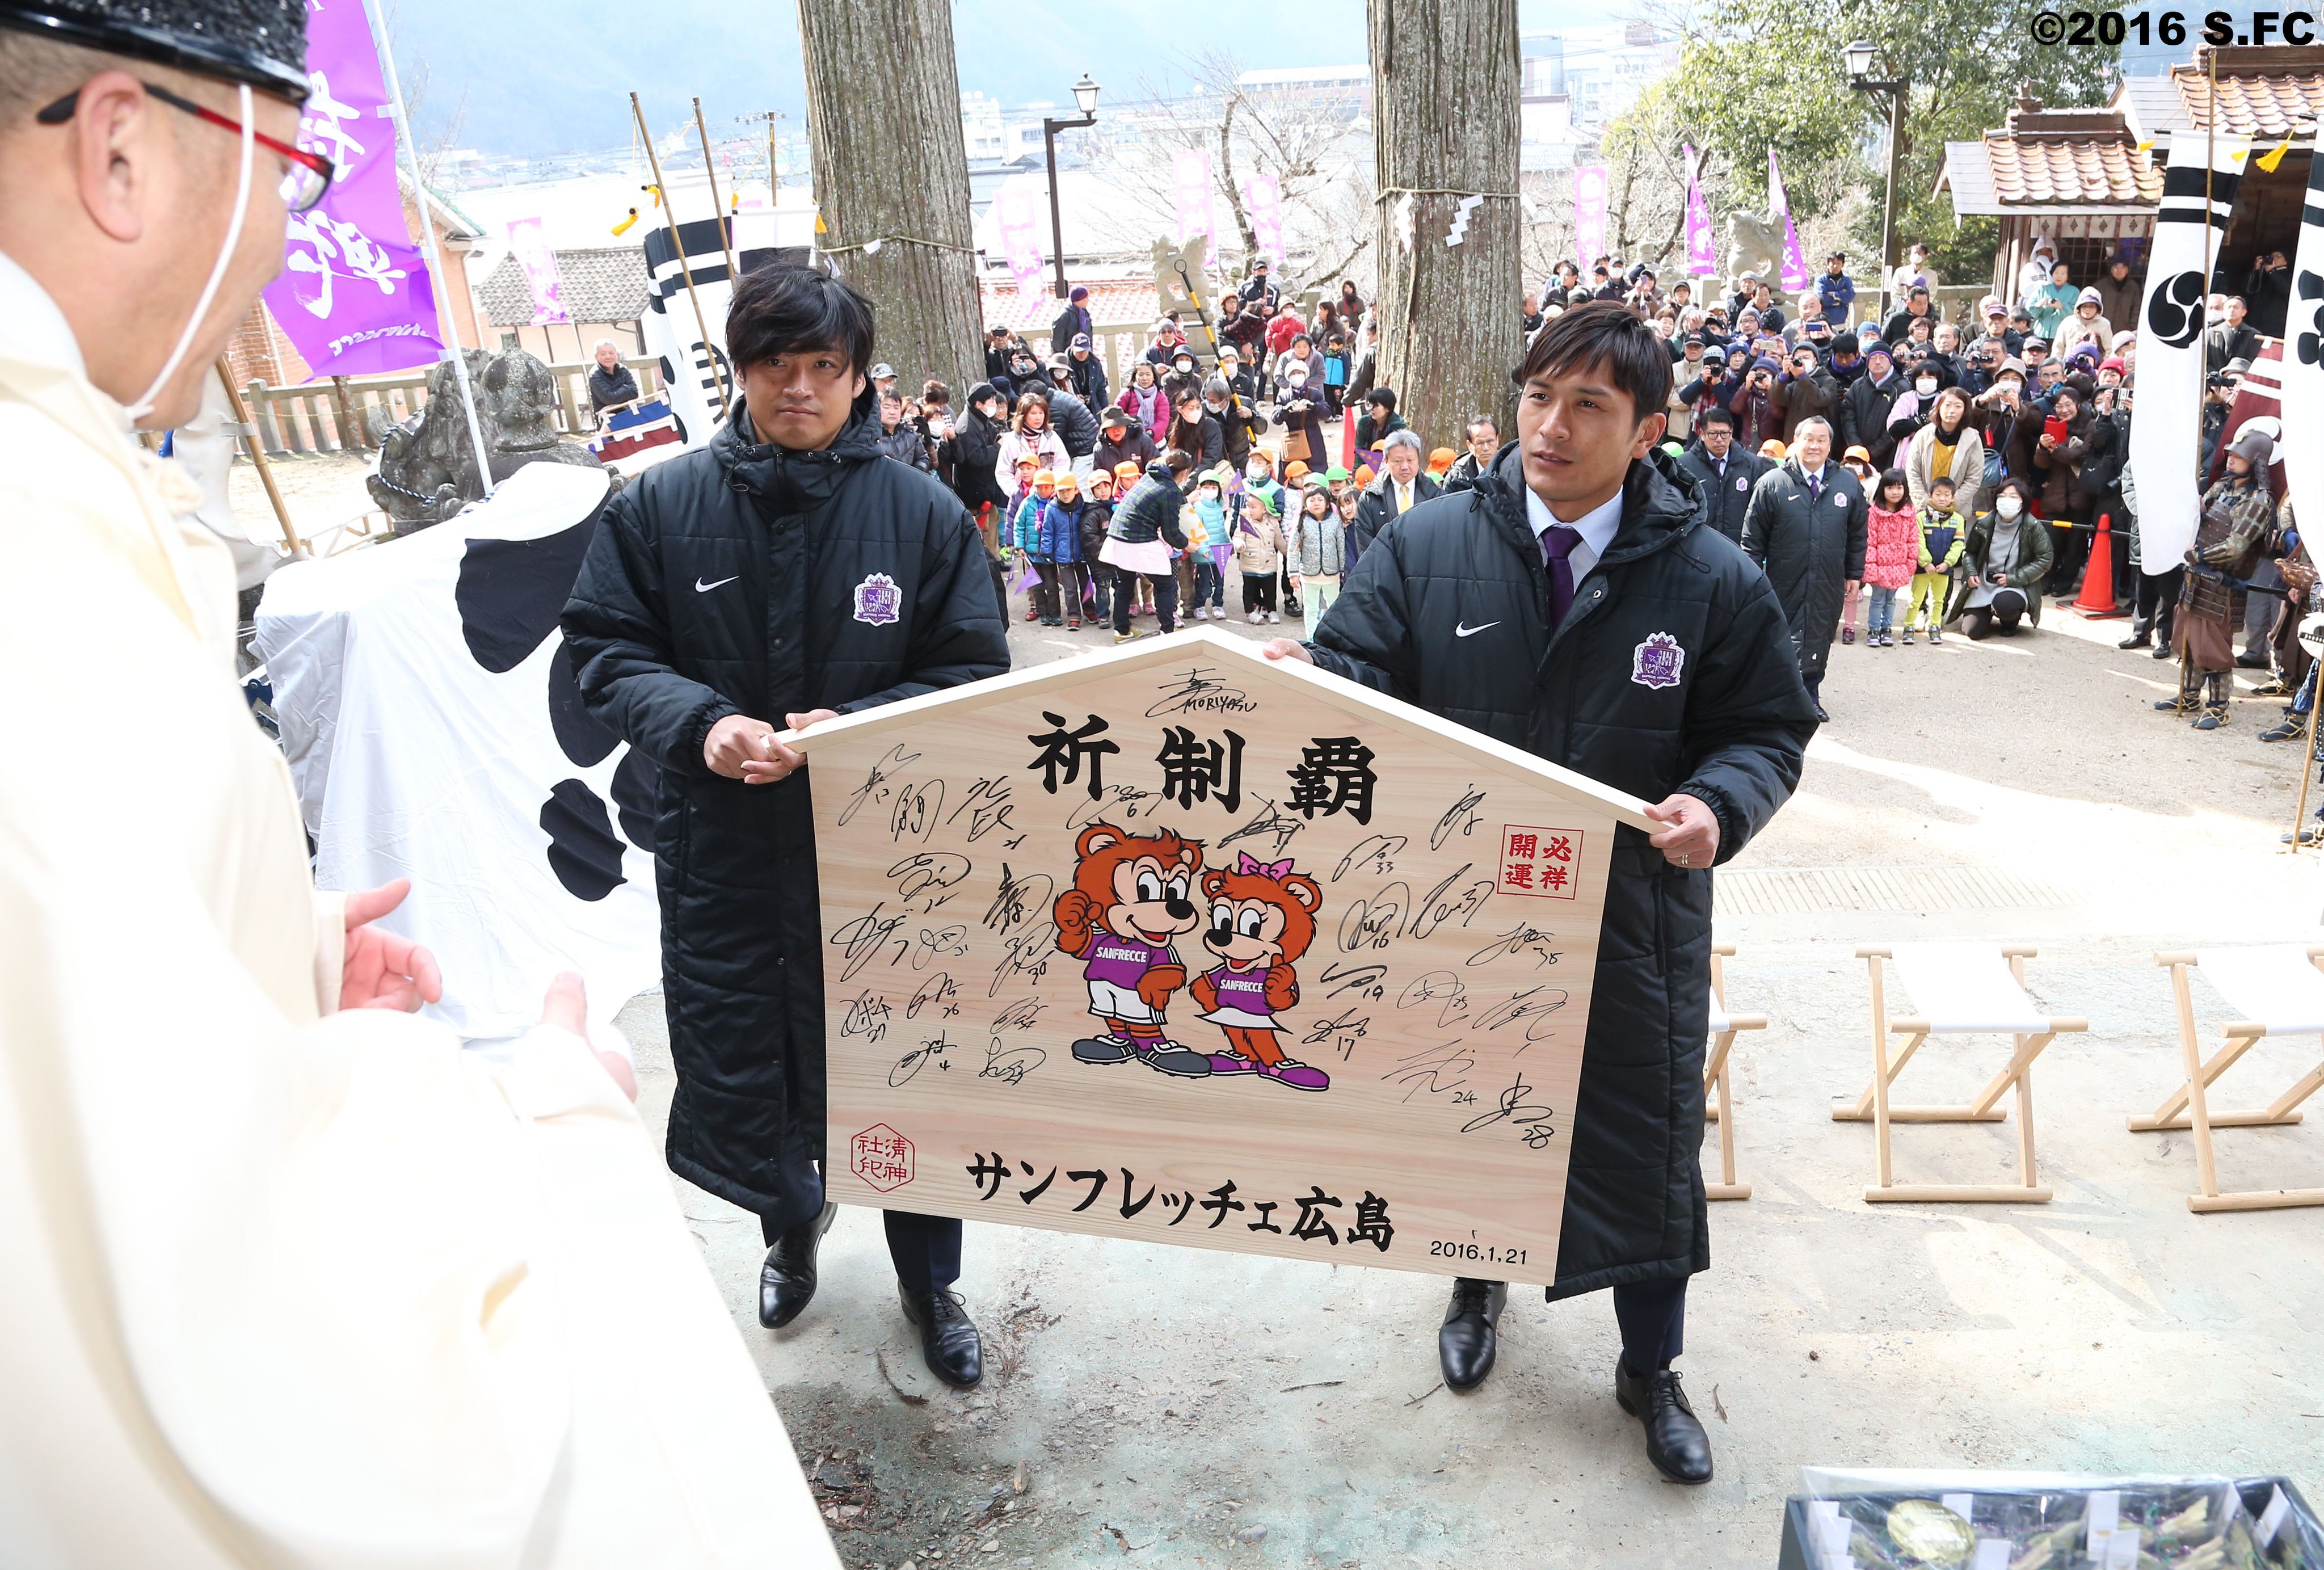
(884, 129)
(1448, 314)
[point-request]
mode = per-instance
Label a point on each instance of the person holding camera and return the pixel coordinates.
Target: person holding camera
(2071, 438)
(1757, 417)
(1805, 391)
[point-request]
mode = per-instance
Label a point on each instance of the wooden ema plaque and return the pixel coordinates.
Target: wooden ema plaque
(1178, 943)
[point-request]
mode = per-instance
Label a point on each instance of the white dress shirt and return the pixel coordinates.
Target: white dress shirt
(1596, 527)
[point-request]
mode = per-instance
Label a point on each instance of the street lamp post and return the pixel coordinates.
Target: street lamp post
(1859, 57)
(1086, 96)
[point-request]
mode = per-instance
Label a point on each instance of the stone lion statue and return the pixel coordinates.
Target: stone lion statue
(1753, 245)
(428, 465)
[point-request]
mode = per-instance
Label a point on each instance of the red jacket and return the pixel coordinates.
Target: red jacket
(1892, 547)
(1281, 328)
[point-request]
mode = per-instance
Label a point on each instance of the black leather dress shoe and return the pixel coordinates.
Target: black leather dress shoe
(949, 1342)
(787, 1280)
(1675, 1442)
(1467, 1340)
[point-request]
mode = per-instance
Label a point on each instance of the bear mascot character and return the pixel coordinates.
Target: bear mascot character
(1131, 900)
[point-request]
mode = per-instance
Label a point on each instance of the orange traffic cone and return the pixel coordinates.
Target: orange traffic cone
(1348, 440)
(2096, 602)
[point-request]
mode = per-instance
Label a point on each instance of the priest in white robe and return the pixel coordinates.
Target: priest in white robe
(289, 1279)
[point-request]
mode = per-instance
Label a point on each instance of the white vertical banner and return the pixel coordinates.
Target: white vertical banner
(2163, 421)
(2303, 362)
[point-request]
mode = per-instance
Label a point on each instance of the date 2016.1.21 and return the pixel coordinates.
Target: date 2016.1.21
(1440, 1249)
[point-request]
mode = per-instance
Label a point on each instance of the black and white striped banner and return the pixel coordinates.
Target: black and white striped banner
(691, 368)
(2189, 228)
(2303, 360)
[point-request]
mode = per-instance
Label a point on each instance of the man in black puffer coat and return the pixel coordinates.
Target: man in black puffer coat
(1805, 524)
(785, 574)
(1575, 604)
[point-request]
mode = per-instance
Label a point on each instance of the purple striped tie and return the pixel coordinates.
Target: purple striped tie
(1557, 543)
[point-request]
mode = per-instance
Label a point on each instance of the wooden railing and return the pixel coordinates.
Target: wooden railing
(328, 416)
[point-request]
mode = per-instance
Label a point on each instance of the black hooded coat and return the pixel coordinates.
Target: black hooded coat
(745, 578)
(1730, 731)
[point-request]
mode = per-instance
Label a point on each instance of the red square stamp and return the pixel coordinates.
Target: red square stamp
(1545, 862)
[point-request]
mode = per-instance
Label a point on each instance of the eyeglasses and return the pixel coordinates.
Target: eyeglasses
(306, 176)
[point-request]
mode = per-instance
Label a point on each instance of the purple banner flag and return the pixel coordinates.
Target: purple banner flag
(355, 296)
(1020, 242)
(1589, 215)
(533, 255)
(1795, 263)
(1263, 195)
(1700, 260)
(1190, 190)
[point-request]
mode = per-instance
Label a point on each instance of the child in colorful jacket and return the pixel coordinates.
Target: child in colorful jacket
(1892, 548)
(1259, 548)
(1943, 537)
(1048, 532)
(1205, 524)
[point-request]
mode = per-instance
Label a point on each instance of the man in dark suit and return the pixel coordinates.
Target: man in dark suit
(1401, 486)
(1723, 475)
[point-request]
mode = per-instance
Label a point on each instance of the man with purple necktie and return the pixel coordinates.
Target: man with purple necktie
(1578, 603)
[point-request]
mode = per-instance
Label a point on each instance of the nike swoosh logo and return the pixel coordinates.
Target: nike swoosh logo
(1464, 630)
(703, 589)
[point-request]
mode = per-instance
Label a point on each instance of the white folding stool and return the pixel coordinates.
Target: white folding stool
(2280, 992)
(1960, 989)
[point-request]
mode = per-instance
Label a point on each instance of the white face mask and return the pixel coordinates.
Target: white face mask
(144, 405)
(2008, 507)
(1924, 385)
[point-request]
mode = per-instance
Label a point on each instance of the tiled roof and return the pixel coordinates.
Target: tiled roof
(601, 284)
(2063, 171)
(2261, 92)
(1111, 301)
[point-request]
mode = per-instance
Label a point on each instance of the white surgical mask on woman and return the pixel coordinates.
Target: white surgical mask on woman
(2008, 507)
(1924, 385)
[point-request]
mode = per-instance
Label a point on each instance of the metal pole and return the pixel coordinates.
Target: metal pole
(1056, 221)
(725, 229)
(1888, 204)
(257, 451)
(427, 238)
(2203, 360)
(677, 243)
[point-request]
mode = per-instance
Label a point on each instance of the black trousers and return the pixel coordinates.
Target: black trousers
(1652, 1316)
(1166, 598)
(2072, 546)
(2154, 603)
(925, 1248)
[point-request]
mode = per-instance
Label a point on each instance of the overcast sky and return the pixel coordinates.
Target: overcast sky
(533, 77)
(541, 78)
